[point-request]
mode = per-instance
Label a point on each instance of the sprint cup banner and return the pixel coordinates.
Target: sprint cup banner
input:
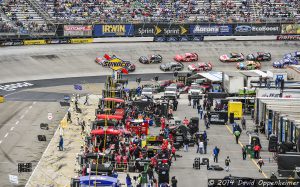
(78, 30)
(151, 30)
(34, 42)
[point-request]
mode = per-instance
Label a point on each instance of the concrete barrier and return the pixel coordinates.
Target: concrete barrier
(123, 39)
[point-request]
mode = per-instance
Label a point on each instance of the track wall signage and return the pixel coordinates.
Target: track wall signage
(256, 29)
(210, 30)
(161, 30)
(290, 29)
(288, 37)
(113, 30)
(78, 30)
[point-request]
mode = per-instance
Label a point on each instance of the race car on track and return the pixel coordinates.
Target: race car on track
(202, 66)
(248, 65)
(187, 57)
(285, 62)
(172, 66)
(154, 59)
(232, 57)
(111, 61)
(259, 56)
(294, 55)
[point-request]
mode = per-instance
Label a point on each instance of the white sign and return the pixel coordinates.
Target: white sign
(13, 179)
(50, 117)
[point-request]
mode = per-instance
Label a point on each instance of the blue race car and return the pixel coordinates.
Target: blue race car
(293, 55)
(285, 62)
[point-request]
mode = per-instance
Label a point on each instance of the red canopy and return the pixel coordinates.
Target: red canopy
(103, 116)
(108, 132)
(114, 100)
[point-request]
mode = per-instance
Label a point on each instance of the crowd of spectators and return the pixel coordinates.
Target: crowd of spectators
(137, 11)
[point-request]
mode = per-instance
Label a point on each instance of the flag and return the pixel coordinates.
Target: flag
(124, 70)
(107, 57)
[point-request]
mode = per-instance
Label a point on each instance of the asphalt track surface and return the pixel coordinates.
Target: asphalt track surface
(54, 65)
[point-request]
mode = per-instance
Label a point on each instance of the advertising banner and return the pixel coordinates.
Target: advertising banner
(178, 38)
(219, 118)
(81, 40)
(288, 37)
(160, 30)
(78, 30)
(113, 30)
(210, 30)
(290, 29)
(34, 42)
(256, 29)
(11, 43)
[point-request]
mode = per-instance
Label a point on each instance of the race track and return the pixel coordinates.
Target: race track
(60, 61)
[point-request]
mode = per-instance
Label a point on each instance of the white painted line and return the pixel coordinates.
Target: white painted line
(12, 128)
(22, 117)
(30, 107)
(17, 122)
(6, 135)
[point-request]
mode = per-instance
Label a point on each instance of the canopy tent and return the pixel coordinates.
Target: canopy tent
(114, 100)
(107, 132)
(213, 76)
(108, 117)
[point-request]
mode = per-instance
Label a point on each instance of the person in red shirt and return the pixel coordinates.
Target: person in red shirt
(185, 121)
(173, 153)
(256, 149)
(163, 123)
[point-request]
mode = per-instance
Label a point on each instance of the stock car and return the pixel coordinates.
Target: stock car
(285, 62)
(106, 61)
(248, 65)
(172, 66)
(154, 59)
(232, 57)
(294, 55)
(187, 57)
(202, 66)
(259, 56)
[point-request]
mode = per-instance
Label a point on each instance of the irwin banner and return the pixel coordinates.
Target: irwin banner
(113, 30)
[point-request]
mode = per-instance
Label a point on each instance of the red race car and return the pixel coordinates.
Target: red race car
(201, 66)
(187, 57)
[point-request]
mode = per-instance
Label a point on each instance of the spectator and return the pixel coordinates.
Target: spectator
(216, 152)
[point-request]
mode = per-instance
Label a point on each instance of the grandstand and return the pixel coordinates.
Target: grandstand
(41, 16)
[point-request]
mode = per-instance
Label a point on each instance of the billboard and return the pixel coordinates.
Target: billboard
(113, 30)
(257, 29)
(34, 42)
(160, 30)
(78, 30)
(81, 40)
(210, 30)
(288, 37)
(290, 29)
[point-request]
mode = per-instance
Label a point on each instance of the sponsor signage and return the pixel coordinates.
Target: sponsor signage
(113, 30)
(290, 29)
(257, 29)
(160, 30)
(78, 30)
(116, 62)
(11, 43)
(81, 40)
(288, 37)
(34, 42)
(210, 30)
(178, 38)
(220, 118)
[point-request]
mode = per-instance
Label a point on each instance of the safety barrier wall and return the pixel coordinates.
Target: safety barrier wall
(160, 32)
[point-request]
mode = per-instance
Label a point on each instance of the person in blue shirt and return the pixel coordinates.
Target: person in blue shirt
(200, 111)
(128, 181)
(216, 152)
